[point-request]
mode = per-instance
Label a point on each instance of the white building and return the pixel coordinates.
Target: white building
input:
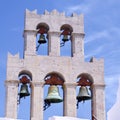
(114, 112)
(64, 118)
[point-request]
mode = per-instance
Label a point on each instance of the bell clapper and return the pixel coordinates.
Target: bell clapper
(46, 105)
(37, 47)
(62, 44)
(18, 100)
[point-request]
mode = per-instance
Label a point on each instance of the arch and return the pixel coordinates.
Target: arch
(41, 25)
(42, 37)
(24, 91)
(66, 31)
(53, 83)
(84, 94)
(25, 72)
(85, 78)
(54, 78)
(66, 27)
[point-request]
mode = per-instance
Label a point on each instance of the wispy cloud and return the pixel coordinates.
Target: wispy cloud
(107, 34)
(84, 7)
(97, 36)
(78, 8)
(94, 52)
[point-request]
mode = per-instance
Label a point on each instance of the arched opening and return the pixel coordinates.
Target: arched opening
(24, 92)
(84, 96)
(42, 39)
(65, 40)
(53, 95)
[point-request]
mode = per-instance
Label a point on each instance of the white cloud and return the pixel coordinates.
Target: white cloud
(96, 36)
(94, 52)
(105, 44)
(81, 8)
(107, 34)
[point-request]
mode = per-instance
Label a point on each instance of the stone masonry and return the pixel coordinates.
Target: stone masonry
(68, 67)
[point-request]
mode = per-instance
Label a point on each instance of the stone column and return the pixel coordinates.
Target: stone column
(29, 42)
(37, 101)
(54, 44)
(98, 102)
(70, 99)
(11, 98)
(78, 45)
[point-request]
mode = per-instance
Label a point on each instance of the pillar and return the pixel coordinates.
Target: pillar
(29, 42)
(37, 101)
(78, 45)
(11, 98)
(54, 44)
(70, 99)
(98, 102)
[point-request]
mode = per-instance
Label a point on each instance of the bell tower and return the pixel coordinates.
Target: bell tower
(35, 70)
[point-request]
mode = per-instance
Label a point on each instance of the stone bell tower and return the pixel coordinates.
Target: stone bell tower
(53, 69)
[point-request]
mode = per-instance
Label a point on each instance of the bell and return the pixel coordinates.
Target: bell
(42, 39)
(65, 38)
(53, 95)
(83, 94)
(24, 91)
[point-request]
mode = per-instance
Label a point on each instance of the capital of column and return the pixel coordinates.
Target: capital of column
(11, 82)
(30, 31)
(102, 86)
(37, 84)
(70, 85)
(54, 33)
(78, 35)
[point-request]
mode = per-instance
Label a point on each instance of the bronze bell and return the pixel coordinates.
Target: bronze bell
(24, 91)
(42, 39)
(83, 94)
(65, 38)
(53, 95)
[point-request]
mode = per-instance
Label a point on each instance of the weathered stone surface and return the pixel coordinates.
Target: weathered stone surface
(69, 67)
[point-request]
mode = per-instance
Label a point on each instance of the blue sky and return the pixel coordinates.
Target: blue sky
(102, 27)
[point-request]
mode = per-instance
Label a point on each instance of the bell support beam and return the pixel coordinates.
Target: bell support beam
(70, 99)
(54, 44)
(98, 102)
(37, 100)
(11, 97)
